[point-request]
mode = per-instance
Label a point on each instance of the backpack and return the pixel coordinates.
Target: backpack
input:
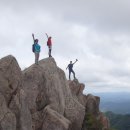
(33, 48)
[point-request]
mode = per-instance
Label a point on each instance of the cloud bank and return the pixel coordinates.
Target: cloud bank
(94, 32)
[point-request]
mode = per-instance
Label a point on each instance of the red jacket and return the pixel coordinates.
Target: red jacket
(49, 43)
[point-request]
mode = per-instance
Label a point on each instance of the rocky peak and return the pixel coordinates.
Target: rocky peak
(41, 98)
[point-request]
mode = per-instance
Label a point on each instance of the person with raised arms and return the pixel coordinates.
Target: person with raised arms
(49, 44)
(70, 67)
(36, 48)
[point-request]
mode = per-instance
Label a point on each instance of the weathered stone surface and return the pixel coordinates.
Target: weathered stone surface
(46, 85)
(77, 91)
(90, 102)
(43, 86)
(7, 118)
(10, 77)
(75, 112)
(105, 121)
(25, 115)
(40, 98)
(11, 84)
(54, 121)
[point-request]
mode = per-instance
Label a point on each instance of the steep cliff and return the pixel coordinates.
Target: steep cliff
(93, 119)
(40, 98)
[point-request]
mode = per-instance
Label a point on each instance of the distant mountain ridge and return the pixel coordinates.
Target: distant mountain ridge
(116, 102)
(118, 121)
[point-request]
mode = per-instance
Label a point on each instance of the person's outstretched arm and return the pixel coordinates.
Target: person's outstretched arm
(33, 37)
(47, 35)
(75, 61)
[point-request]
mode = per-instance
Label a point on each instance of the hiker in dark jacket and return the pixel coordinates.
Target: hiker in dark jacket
(36, 49)
(70, 67)
(49, 44)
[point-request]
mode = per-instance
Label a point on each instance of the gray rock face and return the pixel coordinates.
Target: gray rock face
(77, 91)
(7, 118)
(91, 104)
(40, 98)
(104, 120)
(43, 87)
(54, 121)
(13, 107)
(10, 77)
(47, 87)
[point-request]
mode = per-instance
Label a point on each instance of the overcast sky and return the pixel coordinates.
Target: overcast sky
(96, 32)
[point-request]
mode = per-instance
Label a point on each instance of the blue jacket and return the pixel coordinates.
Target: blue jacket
(37, 48)
(70, 66)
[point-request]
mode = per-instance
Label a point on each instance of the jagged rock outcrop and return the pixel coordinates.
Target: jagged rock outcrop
(105, 121)
(14, 112)
(40, 98)
(91, 104)
(47, 88)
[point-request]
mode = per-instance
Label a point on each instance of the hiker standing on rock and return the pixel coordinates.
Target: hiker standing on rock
(70, 67)
(49, 44)
(36, 49)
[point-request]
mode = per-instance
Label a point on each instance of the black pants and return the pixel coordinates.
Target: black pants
(71, 71)
(49, 47)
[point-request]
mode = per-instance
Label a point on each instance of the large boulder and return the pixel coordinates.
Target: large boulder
(10, 77)
(46, 85)
(91, 104)
(7, 118)
(104, 121)
(77, 91)
(40, 98)
(14, 105)
(43, 87)
(57, 121)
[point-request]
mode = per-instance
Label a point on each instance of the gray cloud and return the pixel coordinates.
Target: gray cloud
(95, 32)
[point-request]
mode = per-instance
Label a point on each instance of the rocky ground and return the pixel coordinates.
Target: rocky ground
(41, 98)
